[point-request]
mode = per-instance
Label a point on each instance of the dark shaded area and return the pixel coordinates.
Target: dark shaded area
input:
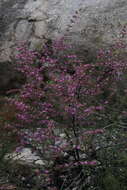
(9, 79)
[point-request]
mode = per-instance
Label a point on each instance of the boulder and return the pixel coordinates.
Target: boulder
(25, 156)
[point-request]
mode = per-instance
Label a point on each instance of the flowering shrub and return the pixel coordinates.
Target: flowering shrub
(62, 107)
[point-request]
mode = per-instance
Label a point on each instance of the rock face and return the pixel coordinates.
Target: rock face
(86, 23)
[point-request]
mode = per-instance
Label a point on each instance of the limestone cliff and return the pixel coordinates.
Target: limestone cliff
(97, 23)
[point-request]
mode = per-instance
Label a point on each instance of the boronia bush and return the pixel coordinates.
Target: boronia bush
(63, 105)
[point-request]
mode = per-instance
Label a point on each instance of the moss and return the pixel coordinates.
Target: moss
(110, 182)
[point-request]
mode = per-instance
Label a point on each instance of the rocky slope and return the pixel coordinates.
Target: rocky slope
(98, 22)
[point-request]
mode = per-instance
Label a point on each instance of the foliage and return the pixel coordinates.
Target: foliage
(8, 135)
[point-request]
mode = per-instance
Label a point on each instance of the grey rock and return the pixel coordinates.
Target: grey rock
(98, 23)
(25, 156)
